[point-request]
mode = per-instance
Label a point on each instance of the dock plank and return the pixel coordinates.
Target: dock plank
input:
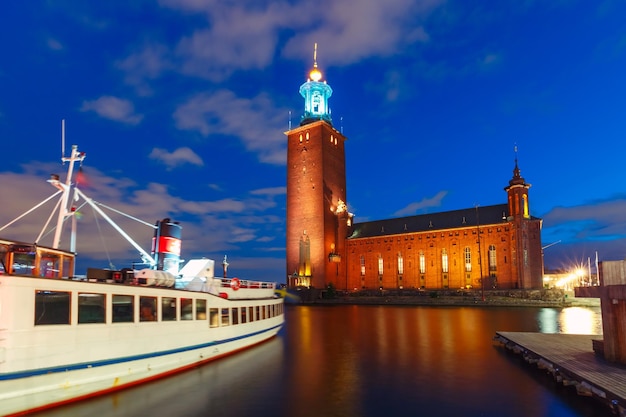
(573, 354)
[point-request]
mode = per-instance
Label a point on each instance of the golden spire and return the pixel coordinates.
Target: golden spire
(315, 74)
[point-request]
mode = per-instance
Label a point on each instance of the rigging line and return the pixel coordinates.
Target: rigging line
(31, 210)
(56, 207)
(106, 250)
(64, 220)
(124, 214)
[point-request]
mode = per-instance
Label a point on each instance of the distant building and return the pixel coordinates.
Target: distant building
(494, 246)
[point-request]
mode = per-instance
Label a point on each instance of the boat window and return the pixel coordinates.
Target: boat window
(23, 263)
(258, 313)
(251, 313)
(244, 315)
(49, 265)
(67, 264)
(123, 308)
(186, 309)
(168, 309)
(200, 309)
(147, 309)
(52, 307)
(225, 317)
(235, 315)
(91, 308)
(214, 317)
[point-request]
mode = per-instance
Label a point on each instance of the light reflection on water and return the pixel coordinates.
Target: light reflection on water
(570, 320)
(369, 361)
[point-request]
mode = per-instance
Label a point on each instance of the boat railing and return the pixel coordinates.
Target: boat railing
(236, 283)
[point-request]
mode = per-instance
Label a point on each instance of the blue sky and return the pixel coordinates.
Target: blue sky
(182, 105)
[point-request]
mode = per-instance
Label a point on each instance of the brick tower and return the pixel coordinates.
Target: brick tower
(317, 216)
(527, 256)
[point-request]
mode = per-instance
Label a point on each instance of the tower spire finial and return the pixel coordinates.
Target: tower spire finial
(315, 55)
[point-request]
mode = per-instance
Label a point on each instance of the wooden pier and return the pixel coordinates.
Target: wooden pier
(571, 360)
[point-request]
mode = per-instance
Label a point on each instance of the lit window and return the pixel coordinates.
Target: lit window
(200, 309)
(468, 259)
(147, 308)
(492, 258)
(400, 264)
(186, 309)
(214, 317)
(362, 265)
(444, 261)
(380, 265)
(422, 263)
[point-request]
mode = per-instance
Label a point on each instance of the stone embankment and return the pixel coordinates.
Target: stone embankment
(509, 298)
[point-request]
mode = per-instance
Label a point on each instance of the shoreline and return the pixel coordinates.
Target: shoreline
(515, 298)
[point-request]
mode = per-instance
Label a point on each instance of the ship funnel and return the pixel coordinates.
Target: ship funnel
(166, 245)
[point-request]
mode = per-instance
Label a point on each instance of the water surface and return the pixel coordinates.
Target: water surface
(361, 361)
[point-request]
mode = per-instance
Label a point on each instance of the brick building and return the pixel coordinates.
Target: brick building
(496, 246)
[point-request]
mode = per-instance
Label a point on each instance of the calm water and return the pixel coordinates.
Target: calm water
(372, 361)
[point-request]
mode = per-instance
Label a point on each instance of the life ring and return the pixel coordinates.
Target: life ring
(235, 284)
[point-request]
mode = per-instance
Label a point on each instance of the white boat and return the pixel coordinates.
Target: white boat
(65, 337)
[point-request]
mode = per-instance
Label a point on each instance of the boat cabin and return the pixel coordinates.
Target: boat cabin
(27, 259)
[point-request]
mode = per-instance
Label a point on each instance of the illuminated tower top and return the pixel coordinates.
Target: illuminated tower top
(316, 93)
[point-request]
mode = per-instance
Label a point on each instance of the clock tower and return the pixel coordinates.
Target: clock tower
(317, 216)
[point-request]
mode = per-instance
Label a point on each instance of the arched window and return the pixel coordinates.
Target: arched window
(468, 259)
(380, 265)
(525, 202)
(422, 262)
(362, 265)
(400, 264)
(444, 261)
(492, 258)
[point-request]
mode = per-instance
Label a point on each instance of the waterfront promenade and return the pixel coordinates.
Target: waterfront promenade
(513, 298)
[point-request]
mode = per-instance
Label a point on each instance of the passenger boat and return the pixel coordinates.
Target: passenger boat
(66, 337)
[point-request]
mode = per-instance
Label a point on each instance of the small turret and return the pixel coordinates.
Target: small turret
(315, 93)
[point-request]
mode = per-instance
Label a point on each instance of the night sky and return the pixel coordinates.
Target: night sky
(181, 107)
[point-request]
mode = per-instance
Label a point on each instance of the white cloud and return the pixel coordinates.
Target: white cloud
(222, 113)
(272, 191)
(247, 35)
(215, 224)
(180, 156)
(425, 203)
(113, 108)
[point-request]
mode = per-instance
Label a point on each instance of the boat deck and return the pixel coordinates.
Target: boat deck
(571, 360)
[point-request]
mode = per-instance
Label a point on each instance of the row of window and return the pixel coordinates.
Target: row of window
(422, 236)
(54, 307)
(467, 253)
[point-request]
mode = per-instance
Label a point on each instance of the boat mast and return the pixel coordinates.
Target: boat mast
(74, 157)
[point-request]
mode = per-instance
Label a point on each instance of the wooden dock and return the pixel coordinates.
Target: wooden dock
(571, 360)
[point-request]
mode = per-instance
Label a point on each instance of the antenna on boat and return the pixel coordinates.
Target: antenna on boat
(63, 140)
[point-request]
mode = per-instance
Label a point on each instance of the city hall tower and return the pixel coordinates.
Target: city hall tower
(317, 216)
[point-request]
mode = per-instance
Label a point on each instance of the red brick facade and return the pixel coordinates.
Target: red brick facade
(434, 251)
(316, 184)
(495, 246)
(447, 258)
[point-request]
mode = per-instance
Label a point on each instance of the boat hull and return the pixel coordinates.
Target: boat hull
(46, 366)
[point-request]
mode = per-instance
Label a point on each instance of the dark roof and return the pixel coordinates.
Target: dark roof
(488, 215)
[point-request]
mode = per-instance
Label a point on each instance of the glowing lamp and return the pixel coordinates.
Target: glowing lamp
(315, 75)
